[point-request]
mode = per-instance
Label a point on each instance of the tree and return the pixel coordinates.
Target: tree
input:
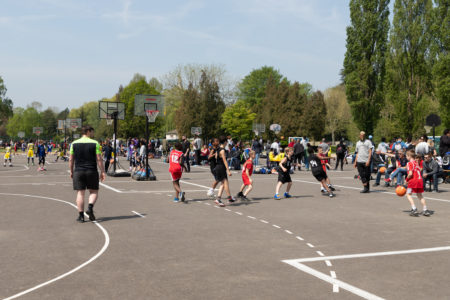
(252, 89)
(6, 104)
(237, 120)
(409, 62)
(49, 122)
(201, 108)
(314, 116)
(338, 111)
(441, 69)
(364, 63)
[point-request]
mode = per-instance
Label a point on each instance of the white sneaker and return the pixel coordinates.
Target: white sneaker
(210, 193)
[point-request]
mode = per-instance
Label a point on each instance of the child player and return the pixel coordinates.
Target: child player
(247, 170)
(283, 174)
(176, 170)
(324, 158)
(8, 155)
(415, 185)
(41, 151)
(30, 153)
(318, 171)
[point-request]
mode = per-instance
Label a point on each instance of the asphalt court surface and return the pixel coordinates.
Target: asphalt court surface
(144, 246)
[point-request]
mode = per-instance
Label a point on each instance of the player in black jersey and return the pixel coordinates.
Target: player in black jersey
(221, 171)
(212, 165)
(315, 164)
(283, 174)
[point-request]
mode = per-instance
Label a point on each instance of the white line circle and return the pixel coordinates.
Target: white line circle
(105, 246)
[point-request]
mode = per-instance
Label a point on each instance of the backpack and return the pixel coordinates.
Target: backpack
(339, 149)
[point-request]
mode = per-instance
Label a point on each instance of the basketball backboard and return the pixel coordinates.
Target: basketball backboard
(106, 109)
(73, 123)
(141, 104)
(38, 130)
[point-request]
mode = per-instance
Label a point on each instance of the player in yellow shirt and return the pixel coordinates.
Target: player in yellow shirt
(8, 155)
(30, 153)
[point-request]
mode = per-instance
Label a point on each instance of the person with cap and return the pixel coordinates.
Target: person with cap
(363, 159)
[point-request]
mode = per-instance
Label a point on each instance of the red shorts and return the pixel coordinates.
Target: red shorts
(176, 175)
(245, 179)
(415, 190)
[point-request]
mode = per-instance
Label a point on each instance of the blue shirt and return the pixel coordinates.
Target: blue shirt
(41, 150)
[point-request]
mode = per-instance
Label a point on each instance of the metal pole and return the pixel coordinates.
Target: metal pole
(433, 134)
(64, 144)
(115, 140)
(146, 148)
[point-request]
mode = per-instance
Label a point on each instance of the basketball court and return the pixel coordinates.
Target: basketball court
(145, 246)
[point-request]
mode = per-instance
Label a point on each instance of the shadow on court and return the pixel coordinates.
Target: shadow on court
(106, 219)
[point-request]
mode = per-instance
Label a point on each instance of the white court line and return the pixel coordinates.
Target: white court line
(9, 171)
(352, 289)
(299, 238)
(253, 218)
(105, 246)
(333, 274)
(136, 213)
(110, 187)
(287, 231)
(206, 203)
(320, 253)
(264, 221)
(276, 226)
(328, 263)
(356, 188)
(157, 192)
(238, 213)
(195, 184)
(373, 254)
(310, 245)
(227, 209)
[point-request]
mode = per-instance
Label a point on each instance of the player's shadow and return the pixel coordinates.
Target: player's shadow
(106, 219)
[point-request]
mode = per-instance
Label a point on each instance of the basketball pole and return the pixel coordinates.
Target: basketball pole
(114, 115)
(147, 175)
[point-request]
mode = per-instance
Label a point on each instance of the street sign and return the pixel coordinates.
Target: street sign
(196, 130)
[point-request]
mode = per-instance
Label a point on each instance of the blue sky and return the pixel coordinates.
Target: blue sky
(67, 52)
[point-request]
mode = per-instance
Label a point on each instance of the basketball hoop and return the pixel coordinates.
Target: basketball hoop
(151, 115)
(109, 120)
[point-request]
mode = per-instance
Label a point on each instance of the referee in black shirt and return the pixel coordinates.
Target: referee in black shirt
(85, 155)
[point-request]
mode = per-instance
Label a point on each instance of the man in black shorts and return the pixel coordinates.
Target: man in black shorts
(85, 154)
(318, 172)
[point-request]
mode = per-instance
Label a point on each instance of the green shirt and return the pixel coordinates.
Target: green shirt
(84, 151)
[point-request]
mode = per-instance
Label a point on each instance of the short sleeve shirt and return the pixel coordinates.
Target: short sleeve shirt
(362, 148)
(249, 167)
(84, 151)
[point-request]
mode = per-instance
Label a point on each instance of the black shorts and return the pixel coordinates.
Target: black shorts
(41, 160)
(220, 173)
(321, 176)
(284, 177)
(83, 180)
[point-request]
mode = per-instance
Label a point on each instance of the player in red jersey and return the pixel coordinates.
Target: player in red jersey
(247, 170)
(176, 170)
(324, 159)
(415, 184)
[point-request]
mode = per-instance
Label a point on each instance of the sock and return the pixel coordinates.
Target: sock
(413, 207)
(91, 206)
(425, 207)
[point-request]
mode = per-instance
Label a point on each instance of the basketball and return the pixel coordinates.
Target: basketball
(382, 170)
(400, 191)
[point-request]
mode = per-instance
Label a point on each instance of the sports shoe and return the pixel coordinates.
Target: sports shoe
(426, 213)
(331, 187)
(90, 213)
(364, 191)
(376, 184)
(231, 199)
(219, 202)
(331, 195)
(286, 195)
(324, 191)
(240, 194)
(210, 193)
(277, 197)
(80, 219)
(388, 179)
(4, 165)
(244, 198)
(176, 200)
(414, 213)
(182, 196)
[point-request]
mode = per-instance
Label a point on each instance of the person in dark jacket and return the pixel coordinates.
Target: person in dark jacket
(341, 149)
(444, 145)
(431, 171)
(107, 149)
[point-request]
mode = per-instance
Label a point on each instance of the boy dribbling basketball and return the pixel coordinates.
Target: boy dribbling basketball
(318, 171)
(415, 185)
(247, 171)
(176, 170)
(283, 174)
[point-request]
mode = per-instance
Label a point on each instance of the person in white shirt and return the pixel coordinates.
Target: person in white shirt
(363, 158)
(383, 146)
(422, 147)
(275, 146)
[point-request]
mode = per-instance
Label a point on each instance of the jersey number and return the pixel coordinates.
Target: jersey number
(175, 158)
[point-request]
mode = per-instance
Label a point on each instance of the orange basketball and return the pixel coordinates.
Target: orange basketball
(400, 191)
(382, 170)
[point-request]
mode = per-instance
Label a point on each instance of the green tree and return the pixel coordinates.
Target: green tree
(16, 123)
(409, 63)
(364, 63)
(237, 120)
(201, 108)
(6, 104)
(338, 112)
(49, 123)
(314, 116)
(441, 68)
(252, 89)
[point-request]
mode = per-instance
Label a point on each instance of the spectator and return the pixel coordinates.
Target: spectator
(325, 147)
(257, 147)
(299, 152)
(398, 145)
(444, 145)
(204, 153)
(197, 144)
(422, 147)
(186, 151)
(362, 160)
(383, 146)
(431, 172)
(275, 147)
(341, 149)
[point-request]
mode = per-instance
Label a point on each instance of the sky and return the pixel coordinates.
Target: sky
(64, 53)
